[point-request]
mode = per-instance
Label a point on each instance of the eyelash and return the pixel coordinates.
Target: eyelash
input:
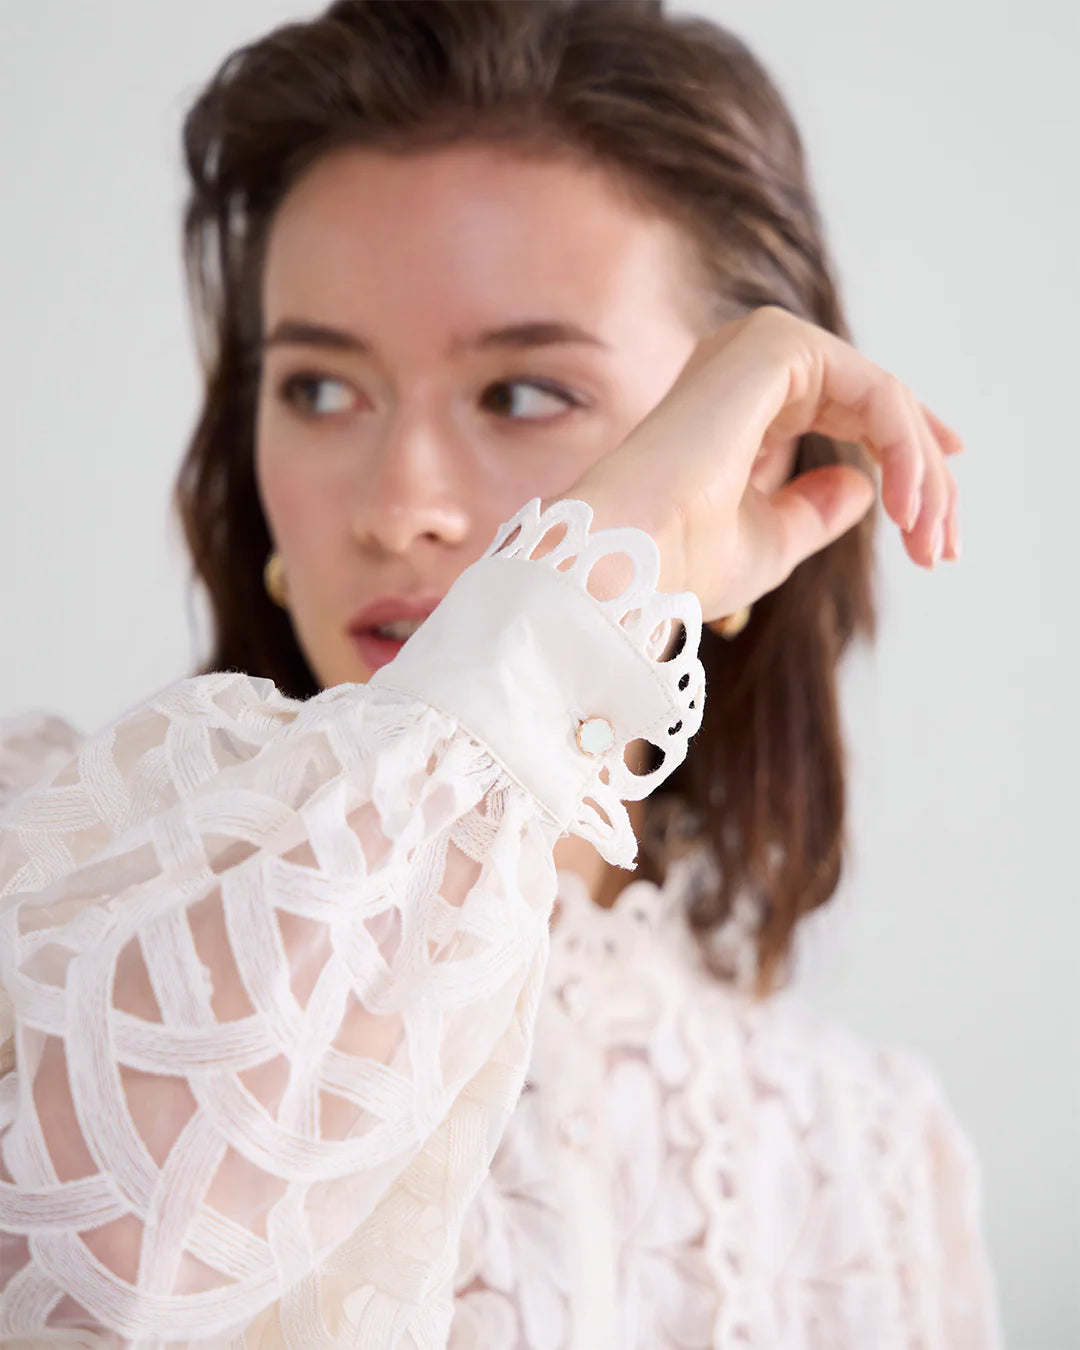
(289, 386)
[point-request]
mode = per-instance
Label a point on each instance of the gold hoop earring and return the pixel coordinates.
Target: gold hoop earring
(274, 580)
(733, 624)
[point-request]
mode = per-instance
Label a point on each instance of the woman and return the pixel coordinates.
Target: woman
(336, 1011)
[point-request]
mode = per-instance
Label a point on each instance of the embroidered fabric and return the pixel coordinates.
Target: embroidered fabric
(690, 1168)
(272, 968)
(657, 700)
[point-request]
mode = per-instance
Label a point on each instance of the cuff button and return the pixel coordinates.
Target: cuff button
(595, 735)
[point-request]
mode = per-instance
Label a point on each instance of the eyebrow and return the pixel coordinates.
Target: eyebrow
(517, 336)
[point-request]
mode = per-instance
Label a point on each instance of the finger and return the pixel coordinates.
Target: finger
(903, 459)
(887, 421)
(784, 528)
(838, 391)
(948, 440)
(927, 539)
(949, 443)
(834, 389)
(952, 527)
(918, 530)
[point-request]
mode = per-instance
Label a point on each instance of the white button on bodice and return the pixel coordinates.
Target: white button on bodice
(575, 998)
(576, 1130)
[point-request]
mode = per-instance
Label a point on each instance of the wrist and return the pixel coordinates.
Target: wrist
(610, 509)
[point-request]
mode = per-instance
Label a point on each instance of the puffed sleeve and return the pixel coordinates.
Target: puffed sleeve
(32, 747)
(272, 967)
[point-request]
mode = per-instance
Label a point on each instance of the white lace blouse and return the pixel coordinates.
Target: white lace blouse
(293, 1054)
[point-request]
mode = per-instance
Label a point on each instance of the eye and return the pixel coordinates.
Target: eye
(527, 400)
(316, 395)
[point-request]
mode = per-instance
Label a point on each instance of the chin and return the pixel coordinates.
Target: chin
(351, 670)
(343, 668)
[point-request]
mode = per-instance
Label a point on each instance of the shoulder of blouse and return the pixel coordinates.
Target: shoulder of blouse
(33, 746)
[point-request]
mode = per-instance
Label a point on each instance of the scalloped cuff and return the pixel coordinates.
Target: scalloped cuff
(533, 666)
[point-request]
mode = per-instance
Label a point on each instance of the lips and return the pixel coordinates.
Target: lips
(376, 650)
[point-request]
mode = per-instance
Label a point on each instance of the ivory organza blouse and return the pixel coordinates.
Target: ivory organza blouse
(306, 1042)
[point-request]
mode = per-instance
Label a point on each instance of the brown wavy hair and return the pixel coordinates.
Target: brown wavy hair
(682, 110)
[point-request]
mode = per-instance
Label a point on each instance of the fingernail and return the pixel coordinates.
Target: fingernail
(913, 510)
(950, 538)
(956, 540)
(937, 543)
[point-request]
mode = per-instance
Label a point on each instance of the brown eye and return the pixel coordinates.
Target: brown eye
(316, 395)
(526, 400)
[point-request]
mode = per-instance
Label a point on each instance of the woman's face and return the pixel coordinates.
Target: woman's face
(447, 334)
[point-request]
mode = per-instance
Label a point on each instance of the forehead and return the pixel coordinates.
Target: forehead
(471, 235)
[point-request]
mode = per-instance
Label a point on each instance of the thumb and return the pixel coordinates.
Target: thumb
(809, 512)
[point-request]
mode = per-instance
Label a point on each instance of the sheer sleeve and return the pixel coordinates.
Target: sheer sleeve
(272, 967)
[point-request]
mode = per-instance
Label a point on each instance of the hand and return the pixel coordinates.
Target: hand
(749, 389)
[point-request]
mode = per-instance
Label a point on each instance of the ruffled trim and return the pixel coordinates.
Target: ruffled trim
(644, 617)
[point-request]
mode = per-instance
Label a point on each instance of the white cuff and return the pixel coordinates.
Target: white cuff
(533, 666)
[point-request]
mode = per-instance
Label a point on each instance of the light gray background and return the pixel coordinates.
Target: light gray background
(943, 141)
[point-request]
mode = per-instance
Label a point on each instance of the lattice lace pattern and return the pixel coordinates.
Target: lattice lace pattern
(272, 971)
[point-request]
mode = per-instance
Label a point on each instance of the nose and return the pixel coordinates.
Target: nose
(414, 486)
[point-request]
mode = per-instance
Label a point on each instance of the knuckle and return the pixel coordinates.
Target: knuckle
(781, 335)
(772, 317)
(895, 386)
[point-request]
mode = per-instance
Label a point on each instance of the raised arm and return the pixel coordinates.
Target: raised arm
(274, 967)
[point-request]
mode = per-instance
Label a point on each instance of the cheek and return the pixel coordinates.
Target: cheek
(303, 508)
